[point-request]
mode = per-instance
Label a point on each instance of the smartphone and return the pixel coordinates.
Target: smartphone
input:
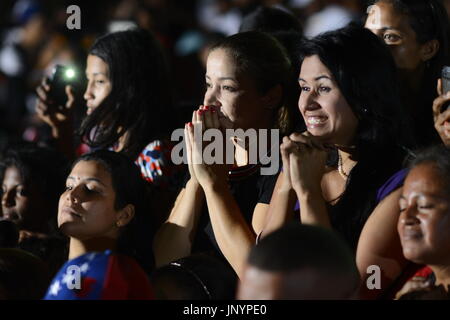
(60, 78)
(445, 86)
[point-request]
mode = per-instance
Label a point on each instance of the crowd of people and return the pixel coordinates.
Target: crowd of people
(361, 117)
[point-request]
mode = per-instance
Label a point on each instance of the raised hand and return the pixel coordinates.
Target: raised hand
(442, 117)
(25, 234)
(57, 117)
(306, 163)
(205, 174)
(286, 148)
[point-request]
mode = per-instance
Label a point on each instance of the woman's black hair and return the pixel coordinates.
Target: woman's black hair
(284, 26)
(270, 19)
(296, 247)
(39, 166)
(136, 237)
(365, 72)
(429, 20)
(266, 61)
(23, 276)
(439, 156)
(140, 102)
(196, 277)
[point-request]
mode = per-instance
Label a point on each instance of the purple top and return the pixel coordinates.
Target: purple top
(392, 184)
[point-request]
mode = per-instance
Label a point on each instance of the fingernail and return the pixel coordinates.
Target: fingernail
(200, 112)
(207, 108)
(190, 124)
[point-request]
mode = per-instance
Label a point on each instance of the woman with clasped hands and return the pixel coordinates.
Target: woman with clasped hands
(334, 174)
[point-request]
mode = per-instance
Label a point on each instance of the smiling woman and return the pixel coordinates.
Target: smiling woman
(352, 120)
(356, 138)
(424, 221)
(325, 110)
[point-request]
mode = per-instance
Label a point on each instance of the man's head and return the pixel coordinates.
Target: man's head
(299, 262)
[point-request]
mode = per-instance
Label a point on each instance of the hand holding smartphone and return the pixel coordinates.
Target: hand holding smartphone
(445, 86)
(61, 77)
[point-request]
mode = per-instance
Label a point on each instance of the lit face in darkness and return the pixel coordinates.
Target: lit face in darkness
(395, 30)
(99, 85)
(323, 106)
(87, 206)
(424, 223)
(23, 203)
(235, 93)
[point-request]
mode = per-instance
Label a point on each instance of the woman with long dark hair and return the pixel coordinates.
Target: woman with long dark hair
(335, 173)
(128, 99)
(356, 135)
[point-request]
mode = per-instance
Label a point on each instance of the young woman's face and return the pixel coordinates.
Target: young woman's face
(86, 208)
(22, 203)
(394, 29)
(235, 93)
(424, 223)
(99, 85)
(325, 110)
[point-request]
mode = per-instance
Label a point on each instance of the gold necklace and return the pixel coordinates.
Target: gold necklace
(341, 167)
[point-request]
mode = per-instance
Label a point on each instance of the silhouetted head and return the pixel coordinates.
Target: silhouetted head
(22, 276)
(299, 262)
(197, 277)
